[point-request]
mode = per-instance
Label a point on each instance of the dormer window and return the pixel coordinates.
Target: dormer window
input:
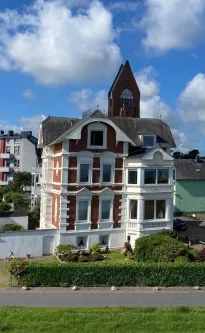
(148, 141)
(97, 136)
(126, 98)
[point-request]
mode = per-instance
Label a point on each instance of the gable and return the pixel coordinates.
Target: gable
(157, 153)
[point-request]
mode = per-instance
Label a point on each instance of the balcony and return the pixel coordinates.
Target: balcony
(5, 156)
(4, 169)
(148, 225)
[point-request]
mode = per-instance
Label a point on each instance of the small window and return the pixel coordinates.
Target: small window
(174, 175)
(132, 176)
(160, 209)
(127, 99)
(16, 140)
(163, 176)
(83, 210)
(104, 240)
(107, 171)
(148, 141)
(84, 173)
(96, 138)
(8, 150)
(81, 242)
(105, 209)
(149, 176)
(133, 209)
(149, 210)
(16, 150)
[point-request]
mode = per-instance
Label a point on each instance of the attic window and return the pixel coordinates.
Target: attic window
(149, 141)
(126, 98)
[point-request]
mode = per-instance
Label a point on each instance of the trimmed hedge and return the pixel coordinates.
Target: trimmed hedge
(87, 274)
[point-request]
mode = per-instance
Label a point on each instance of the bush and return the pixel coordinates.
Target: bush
(181, 260)
(201, 255)
(16, 198)
(170, 233)
(65, 248)
(4, 207)
(84, 259)
(71, 257)
(192, 254)
(96, 256)
(88, 274)
(17, 268)
(11, 227)
(95, 247)
(158, 248)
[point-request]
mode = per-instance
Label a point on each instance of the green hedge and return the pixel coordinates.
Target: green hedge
(87, 274)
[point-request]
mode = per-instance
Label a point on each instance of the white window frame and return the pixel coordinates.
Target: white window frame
(146, 135)
(83, 197)
(103, 197)
(107, 159)
(97, 127)
(85, 160)
(155, 206)
(156, 180)
(105, 235)
(129, 209)
(111, 210)
(8, 148)
(127, 177)
(86, 242)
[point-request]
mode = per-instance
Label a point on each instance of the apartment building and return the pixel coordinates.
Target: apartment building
(18, 152)
(107, 178)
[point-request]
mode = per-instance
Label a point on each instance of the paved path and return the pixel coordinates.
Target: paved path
(101, 299)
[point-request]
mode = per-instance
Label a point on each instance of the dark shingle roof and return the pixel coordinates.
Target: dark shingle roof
(189, 169)
(53, 127)
(133, 127)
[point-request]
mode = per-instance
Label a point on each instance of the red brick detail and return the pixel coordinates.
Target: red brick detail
(94, 211)
(56, 222)
(96, 176)
(2, 149)
(119, 162)
(59, 160)
(58, 148)
(72, 176)
(116, 211)
(79, 145)
(71, 213)
(96, 162)
(57, 177)
(72, 162)
(93, 188)
(57, 187)
(118, 176)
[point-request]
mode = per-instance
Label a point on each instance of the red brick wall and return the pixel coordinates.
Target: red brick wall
(57, 187)
(94, 211)
(96, 176)
(71, 212)
(96, 162)
(79, 145)
(72, 161)
(118, 176)
(116, 211)
(72, 176)
(56, 222)
(119, 162)
(57, 177)
(58, 148)
(2, 150)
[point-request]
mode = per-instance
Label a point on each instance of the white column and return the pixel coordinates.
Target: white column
(64, 210)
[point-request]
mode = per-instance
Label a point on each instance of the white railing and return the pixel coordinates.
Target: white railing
(131, 225)
(153, 225)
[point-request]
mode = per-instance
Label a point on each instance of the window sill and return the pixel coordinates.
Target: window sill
(96, 147)
(82, 222)
(108, 221)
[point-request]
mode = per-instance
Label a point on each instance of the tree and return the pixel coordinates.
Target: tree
(21, 179)
(192, 154)
(34, 218)
(4, 207)
(15, 198)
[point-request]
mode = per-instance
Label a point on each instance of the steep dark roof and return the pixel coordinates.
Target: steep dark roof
(53, 127)
(116, 78)
(189, 169)
(133, 127)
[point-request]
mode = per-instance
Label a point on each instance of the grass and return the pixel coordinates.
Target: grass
(102, 320)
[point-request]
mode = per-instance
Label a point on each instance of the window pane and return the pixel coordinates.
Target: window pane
(107, 168)
(160, 209)
(81, 241)
(149, 209)
(150, 176)
(105, 209)
(96, 138)
(148, 141)
(163, 176)
(83, 210)
(104, 240)
(174, 174)
(133, 209)
(84, 173)
(132, 177)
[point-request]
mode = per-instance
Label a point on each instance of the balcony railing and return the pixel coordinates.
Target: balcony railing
(147, 225)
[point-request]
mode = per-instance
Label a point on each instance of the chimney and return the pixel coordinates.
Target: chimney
(1, 132)
(10, 133)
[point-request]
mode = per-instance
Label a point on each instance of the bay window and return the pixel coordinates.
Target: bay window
(154, 209)
(163, 176)
(150, 176)
(156, 176)
(132, 176)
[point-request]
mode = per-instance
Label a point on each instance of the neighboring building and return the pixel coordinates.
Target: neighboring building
(18, 152)
(36, 186)
(189, 196)
(108, 178)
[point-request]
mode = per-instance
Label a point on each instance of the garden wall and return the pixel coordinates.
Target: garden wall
(35, 243)
(130, 274)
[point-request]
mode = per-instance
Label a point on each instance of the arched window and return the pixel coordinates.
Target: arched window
(126, 98)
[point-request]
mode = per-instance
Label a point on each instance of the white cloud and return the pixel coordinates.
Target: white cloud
(181, 141)
(24, 124)
(28, 93)
(172, 24)
(123, 6)
(192, 100)
(57, 45)
(86, 99)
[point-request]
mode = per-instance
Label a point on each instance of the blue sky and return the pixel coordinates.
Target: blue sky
(60, 57)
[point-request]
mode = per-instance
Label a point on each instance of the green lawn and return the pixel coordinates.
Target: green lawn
(102, 320)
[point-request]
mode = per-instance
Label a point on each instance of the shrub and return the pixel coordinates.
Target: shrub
(95, 247)
(16, 198)
(84, 259)
(201, 255)
(11, 227)
(65, 248)
(170, 233)
(135, 274)
(4, 207)
(158, 248)
(17, 268)
(192, 254)
(71, 257)
(181, 260)
(96, 256)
